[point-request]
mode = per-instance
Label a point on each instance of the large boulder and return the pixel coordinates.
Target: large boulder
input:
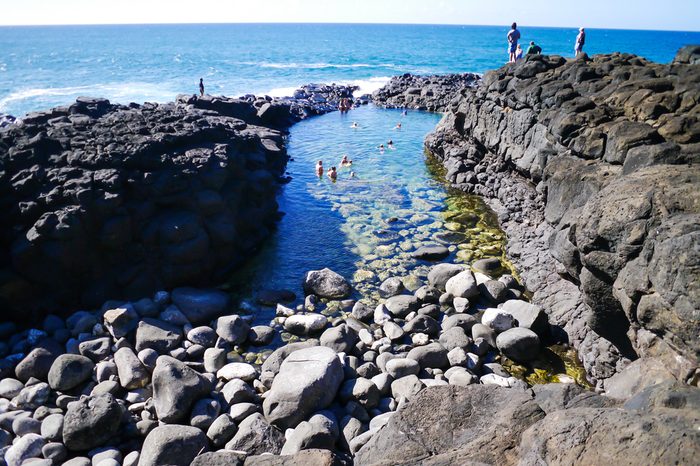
(477, 423)
(326, 283)
(308, 381)
(462, 285)
(172, 446)
(441, 273)
(69, 370)
(519, 344)
(198, 305)
(91, 421)
(175, 388)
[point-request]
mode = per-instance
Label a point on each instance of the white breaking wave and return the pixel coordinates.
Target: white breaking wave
(367, 86)
(315, 66)
(115, 92)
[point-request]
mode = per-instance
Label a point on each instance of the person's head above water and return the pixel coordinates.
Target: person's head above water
(320, 162)
(581, 30)
(514, 26)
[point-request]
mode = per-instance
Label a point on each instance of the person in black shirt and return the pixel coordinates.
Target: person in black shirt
(201, 86)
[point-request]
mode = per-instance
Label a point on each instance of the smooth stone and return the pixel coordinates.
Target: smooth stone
(340, 339)
(232, 329)
(175, 388)
(261, 335)
(237, 370)
(173, 445)
(305, 324)
(431, 253)
(222, 430)
(97, 349)
(402, 305)
(214, 359)
(465, 321)
(454, 337)
(52, 427)
(432, 355)
(441, 273)
(481, 331)
(391, 287)
(527, 315)
(493, 291)
(157, 335)
(26, 447)
(402, 367)
(406, 387)
(320, 431)
(220, 458)
(120, 321)
(488, 266)
(22, 426)
(68, 371)
(200, 305)
(361, 390)
(10, 388)
(422, 324)
(519, 344)
(362, 312)
(462, 285)
(132, 373)
(393, 330)
(204, 412)
(54, 451)
(240, 411)
(237, 391)
(461, 305)
(203, 335)
(308, 380)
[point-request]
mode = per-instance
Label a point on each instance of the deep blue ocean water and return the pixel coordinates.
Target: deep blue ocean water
(41, 67)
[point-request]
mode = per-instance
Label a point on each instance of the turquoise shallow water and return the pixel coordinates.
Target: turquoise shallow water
(365, 227)
(41, 67)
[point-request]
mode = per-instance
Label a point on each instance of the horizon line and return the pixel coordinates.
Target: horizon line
(335, 23)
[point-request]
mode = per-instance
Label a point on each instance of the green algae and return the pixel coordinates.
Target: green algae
(556, 364)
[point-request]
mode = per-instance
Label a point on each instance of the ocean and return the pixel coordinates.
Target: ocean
(45, 66)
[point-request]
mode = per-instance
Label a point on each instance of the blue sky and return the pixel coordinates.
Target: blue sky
(639, 14)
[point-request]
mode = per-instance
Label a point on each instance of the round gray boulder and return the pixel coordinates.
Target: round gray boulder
(519, 344)
(326, 283)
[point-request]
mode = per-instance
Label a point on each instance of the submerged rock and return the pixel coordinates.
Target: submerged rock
(326, 283)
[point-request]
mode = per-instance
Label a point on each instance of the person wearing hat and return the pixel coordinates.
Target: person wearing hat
(533, 49)
(580, 41)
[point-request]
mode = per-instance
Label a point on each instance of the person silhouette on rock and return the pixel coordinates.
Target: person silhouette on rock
(201, 86)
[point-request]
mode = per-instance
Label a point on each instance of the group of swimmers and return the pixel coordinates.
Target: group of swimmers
(515, 52)
(332, 172)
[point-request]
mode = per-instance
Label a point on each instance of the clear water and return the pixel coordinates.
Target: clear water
(365, 227)
(41, 67)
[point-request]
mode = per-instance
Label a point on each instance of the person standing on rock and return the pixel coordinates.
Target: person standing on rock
(513, 38)
(580, 41)
(201, 86)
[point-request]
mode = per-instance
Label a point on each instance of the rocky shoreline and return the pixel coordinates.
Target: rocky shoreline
(103, 201)
(171, 377)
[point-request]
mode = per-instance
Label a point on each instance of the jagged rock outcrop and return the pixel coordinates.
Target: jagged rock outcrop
(432, 93)
(591, 166)
(486, 424)
(101, 201)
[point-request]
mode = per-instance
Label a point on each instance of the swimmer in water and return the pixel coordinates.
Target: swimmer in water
(352, 174)
(319, 168)
(354, 125)
(404, 113)
(381, 148)
(398, 126)
(345, 162)
(333, 174)
(390, 144)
